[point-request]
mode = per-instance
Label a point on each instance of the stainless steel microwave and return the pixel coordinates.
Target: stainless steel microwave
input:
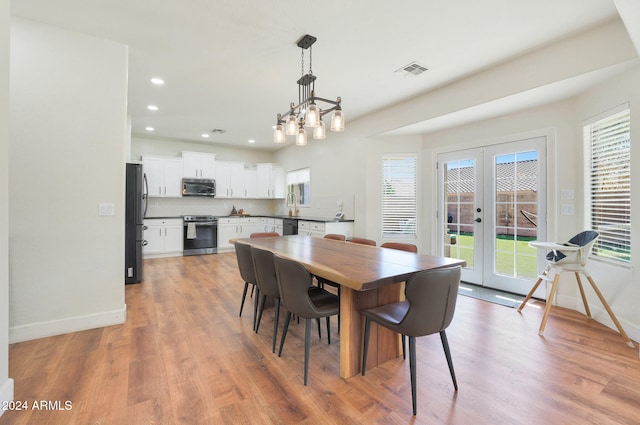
(198, 187)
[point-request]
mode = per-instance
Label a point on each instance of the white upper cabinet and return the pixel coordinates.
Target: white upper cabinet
(251, 183)
(230, 180)
(199, 165)
(271, 182)
(164, 175)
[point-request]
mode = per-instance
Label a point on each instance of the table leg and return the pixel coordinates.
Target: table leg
(383, 344)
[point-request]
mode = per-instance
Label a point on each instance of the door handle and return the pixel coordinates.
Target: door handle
(478, 220)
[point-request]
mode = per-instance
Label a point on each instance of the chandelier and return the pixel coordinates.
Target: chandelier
(307, 113)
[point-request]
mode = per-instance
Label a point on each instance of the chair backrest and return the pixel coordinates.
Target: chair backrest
(264, 235)
(245, 262)
(400, 246)
(294, 282)
(334, 237)
(265, 269)
(432, 296)
(363, 241)
(585, 240)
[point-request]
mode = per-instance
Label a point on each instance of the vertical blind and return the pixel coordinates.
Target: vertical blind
(608, 184)
(399, 191)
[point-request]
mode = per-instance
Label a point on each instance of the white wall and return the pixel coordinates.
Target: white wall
(6, 384)
(338, 169)
(67, 154)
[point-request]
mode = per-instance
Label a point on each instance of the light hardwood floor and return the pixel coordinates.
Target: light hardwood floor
(185, 357)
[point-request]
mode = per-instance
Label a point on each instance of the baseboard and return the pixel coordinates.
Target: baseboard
(599, 314)
(6, 393)
(63, 326)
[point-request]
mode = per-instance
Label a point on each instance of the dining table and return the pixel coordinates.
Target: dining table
(369, 276)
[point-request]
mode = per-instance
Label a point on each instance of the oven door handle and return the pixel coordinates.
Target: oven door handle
(203, 223)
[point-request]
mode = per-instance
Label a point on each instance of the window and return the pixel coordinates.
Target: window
(607, 140)
(299, 187)
(399, 203)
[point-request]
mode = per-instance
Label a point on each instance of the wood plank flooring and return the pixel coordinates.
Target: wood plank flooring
(185, 357)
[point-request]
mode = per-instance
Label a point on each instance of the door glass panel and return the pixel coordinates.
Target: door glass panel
(516, 195)
(459, 181)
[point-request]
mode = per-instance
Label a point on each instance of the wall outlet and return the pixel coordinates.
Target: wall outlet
(567, 209)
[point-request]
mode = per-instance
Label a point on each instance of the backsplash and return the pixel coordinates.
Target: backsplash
(175, 207)
(325, 207)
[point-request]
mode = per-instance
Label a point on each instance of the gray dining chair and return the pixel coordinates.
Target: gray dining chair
(300, 297)
(267, 282)
(248, 274)
(428, 308)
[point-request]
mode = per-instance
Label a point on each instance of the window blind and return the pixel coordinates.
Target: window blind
(399, 190)
(608, 184)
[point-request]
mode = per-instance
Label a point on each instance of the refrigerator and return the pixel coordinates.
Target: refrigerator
(135, 210)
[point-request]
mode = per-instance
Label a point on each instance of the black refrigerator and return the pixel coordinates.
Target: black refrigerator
(135, 210)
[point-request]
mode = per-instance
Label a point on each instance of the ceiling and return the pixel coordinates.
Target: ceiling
(233, 64)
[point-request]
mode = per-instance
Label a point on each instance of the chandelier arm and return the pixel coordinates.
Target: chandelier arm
(333, 102)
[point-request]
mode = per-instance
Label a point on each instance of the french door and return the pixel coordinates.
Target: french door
(492, 202)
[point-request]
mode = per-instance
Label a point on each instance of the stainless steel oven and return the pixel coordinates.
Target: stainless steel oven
(200, 234)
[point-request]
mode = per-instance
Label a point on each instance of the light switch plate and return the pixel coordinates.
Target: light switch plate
(567, 194)
(106, 209)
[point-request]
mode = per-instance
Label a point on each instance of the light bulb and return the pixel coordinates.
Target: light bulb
(291, 128)
(301, 138)
(278, 134)
(337, 121)
(319, 132)
(312, 116)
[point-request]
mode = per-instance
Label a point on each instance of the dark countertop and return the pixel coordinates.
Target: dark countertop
(316, 219)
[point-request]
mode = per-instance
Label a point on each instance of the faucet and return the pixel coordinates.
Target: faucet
(293, 199)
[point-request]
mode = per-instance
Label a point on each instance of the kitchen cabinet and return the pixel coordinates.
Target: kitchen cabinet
(199, 165)
(269, 224)
(164, 175)
(236, 228)
(271, 181)
(164, 237)
(250, 183)
(319, 229)
(230, 181)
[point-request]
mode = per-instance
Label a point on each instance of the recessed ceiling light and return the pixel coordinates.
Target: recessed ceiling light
(251, 141)
(157, 81)
(149, 128)
(152, 107)
(205, 135)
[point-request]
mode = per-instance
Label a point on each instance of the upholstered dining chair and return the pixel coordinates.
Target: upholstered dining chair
(400, 246)
(335, 237)
(570, 256)
(363, 241)
(408, 248)
(428, 308)
(306, 301)
(248, 274)
(264, 235)
(267, 282)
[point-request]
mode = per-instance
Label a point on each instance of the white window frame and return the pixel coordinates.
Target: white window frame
(399, 213)
(607, 183)
(299, 184)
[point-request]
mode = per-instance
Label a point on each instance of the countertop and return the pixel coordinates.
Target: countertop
(316, 219)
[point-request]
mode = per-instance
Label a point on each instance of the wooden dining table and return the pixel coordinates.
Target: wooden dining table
(368, 276)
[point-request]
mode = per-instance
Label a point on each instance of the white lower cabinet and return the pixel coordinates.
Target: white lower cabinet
(271, 225)
(319, 229)
(236, 228)
(164, 237)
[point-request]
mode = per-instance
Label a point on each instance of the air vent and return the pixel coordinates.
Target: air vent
(218, 131)
(413, 68)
